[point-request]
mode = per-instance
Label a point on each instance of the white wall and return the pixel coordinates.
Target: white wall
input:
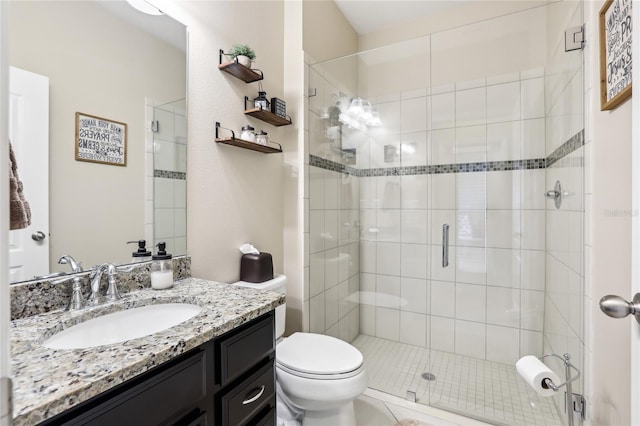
(233, 195)
(295, 177)
(326, 32)
(607, 242)
(458, 16)
(102, 66)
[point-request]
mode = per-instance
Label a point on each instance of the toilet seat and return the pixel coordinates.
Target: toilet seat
(320, 376)
(317, 356)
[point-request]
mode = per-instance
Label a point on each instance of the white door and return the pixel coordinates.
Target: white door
(29, 135)
(635, 252)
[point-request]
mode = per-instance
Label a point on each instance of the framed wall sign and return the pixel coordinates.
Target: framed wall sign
(615, 53)
(100, 140)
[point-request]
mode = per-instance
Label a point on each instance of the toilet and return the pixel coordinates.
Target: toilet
(317, 376)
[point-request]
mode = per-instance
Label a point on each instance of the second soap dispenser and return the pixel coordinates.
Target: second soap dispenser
(161, 268)
(142, 255)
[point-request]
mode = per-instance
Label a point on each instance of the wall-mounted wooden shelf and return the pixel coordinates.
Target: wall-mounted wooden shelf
(266, 115)
(241, 143)
(248, 75)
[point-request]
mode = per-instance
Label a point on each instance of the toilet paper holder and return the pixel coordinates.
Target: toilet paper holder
(566, 360)
(574, 403)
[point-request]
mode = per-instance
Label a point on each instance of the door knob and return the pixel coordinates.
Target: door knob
(617, 307)
(38, 236)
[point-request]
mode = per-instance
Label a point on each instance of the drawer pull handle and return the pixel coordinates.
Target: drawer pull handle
(255, 397)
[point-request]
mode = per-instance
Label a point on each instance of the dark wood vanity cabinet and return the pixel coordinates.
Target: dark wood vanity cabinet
(229, 380)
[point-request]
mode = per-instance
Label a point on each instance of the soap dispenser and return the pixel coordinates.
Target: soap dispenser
(142, 255)
(161, 268)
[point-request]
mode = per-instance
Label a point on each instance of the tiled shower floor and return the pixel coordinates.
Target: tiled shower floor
(488, 390)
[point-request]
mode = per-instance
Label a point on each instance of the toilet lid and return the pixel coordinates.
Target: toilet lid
(317, 354)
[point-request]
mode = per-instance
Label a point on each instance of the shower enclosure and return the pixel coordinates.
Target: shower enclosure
(431, 245)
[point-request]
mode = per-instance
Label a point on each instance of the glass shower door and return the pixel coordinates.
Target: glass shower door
(491, 115)
(431, 246)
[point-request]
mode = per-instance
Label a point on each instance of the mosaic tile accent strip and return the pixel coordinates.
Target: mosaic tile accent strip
(169, 175)
(332, 166)
(559, 154)
(575, 142)
(539, 163)
(41, 296)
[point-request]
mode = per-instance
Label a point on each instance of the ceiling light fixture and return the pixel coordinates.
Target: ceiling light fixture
(145, 7)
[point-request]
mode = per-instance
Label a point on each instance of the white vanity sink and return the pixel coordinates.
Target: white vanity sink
(124, 325)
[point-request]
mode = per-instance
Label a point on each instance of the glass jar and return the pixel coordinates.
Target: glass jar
(262, 138)
(261, 101)
(248, 134)
(161, 269)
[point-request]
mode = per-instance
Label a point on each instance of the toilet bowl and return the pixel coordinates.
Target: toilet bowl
(318, 375)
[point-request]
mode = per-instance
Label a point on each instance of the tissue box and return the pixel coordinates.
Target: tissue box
(256, 268)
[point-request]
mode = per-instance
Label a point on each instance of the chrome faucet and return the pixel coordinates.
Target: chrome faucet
(112, 293)
(77, 301)
(75, 266)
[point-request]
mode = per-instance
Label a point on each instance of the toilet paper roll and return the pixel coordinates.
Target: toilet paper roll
(533, 371)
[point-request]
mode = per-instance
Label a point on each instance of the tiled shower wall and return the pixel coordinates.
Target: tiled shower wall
(334, 253)
(166, 208)
(470, 155)
(332, 212)
(488, 303)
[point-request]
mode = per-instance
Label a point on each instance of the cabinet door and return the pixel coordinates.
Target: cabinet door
(159, 397)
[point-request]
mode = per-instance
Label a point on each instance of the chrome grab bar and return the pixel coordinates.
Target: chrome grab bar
(445, 245)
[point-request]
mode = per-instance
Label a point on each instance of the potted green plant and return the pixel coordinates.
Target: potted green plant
(243, 54)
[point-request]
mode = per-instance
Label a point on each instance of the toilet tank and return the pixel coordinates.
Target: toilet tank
(278, 285)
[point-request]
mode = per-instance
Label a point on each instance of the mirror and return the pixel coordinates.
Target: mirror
(103, 59)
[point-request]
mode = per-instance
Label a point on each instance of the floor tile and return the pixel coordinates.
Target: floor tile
(477, 388)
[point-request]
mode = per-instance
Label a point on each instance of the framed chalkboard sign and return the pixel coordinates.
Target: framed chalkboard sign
(615, 53)
(99, 140)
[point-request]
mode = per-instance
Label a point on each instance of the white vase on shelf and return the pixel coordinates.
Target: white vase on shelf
(244, 60)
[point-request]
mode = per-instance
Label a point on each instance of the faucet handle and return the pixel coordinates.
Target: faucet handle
(112, 291)
(94, 278)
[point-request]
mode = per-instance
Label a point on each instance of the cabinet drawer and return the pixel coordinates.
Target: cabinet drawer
(242, 349)
(196, 418)
(255, 394)
(268, 419)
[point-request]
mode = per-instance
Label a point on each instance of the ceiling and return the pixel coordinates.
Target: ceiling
(367, 16)
(162, 26)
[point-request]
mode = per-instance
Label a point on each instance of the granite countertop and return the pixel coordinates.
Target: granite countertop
(47, 381)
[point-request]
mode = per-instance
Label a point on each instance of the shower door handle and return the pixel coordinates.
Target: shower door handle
(445, 245)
